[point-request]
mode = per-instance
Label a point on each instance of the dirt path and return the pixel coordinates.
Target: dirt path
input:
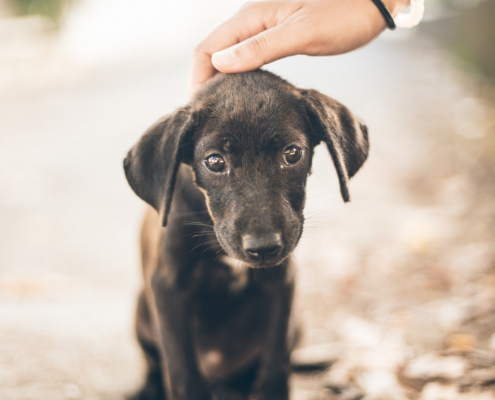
(406, 269)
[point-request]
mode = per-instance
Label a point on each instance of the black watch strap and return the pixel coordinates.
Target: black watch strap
(386, 14)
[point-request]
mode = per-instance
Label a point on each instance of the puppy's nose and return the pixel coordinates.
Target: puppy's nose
(262, 247)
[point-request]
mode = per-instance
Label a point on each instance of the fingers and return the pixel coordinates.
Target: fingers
(201, 70)
(261, 49)
(265, 31)
(242, 25)
(250, 20)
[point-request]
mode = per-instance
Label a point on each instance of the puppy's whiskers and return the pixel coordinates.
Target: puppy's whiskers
(205, 243)
(196, 223)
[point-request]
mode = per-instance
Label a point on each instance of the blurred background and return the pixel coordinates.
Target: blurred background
(396, 290)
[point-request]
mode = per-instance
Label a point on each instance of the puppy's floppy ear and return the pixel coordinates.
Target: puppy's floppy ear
(345, 136)
(151, 165)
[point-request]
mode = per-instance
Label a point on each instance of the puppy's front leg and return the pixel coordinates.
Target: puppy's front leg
(272, 380)
(181, 376)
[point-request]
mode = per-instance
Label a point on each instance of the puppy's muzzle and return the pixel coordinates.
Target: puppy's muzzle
(264, 247)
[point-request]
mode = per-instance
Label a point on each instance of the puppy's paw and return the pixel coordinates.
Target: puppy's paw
(269, 396)
(149, 392)
(273, 387)
(281, 393)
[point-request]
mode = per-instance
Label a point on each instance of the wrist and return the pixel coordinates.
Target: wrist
(396, 6)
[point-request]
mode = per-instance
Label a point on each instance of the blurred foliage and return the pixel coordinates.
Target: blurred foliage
(54, 9)
(474, 38)
(468, 31)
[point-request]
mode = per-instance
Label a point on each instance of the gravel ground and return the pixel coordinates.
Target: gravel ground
(396, 289)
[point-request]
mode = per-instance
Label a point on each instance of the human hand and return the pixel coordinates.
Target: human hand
(265, 31)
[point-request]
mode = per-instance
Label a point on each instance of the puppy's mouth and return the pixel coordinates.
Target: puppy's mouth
(267, 264)
(262, 259)
(261, 263)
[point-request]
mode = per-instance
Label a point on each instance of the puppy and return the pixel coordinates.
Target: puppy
(225, 177)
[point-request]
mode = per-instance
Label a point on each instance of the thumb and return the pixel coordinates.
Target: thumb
(253, 53)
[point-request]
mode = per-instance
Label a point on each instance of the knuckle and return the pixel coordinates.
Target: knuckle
(253, 7)
(198, 49)
(257, 45)
(247, 5)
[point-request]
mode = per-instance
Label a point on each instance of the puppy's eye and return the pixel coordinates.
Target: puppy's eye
(292, 154)
(215, 163)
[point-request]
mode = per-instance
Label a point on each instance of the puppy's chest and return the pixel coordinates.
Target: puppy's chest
(223, 288)
(220, 278)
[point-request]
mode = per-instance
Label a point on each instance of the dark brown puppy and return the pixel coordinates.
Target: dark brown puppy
(226, 178)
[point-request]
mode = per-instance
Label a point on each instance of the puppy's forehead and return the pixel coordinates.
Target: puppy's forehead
(251, 110)
(254, 92)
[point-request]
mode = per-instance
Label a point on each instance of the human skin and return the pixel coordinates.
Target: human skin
(265, 31)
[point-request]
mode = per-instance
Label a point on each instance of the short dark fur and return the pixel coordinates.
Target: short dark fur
(201, 319)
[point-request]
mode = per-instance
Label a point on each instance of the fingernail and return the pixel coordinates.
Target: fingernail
(224, 58)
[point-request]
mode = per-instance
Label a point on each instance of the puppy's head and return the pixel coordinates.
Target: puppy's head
(249, 139)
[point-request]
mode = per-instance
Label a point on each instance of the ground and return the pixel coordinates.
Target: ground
(397, 288)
